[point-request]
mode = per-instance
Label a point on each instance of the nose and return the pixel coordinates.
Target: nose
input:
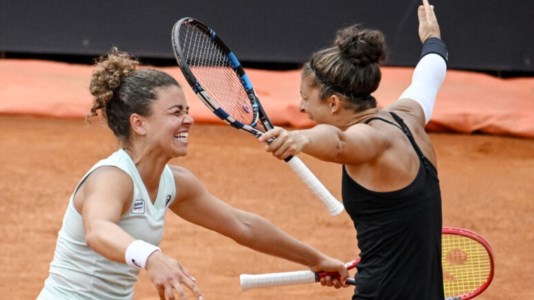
(188, 119)
(301, 107)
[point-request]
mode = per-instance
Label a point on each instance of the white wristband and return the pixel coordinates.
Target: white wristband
(138, 252)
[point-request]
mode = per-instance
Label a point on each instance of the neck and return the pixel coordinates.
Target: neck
(358, 118)
(150, 165)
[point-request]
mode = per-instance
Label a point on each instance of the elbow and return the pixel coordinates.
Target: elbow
(339, 149)
(245, 232)
(92, 237)
(337, 154)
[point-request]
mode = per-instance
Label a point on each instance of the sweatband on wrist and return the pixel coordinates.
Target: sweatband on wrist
(435, 45)
(138, 252)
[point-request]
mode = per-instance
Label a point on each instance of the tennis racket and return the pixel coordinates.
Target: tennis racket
(467, 261)
(218, 79)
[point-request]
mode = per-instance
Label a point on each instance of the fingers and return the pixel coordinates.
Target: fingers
(428, 23)
(332, 281)
(191, 284)
(172, 279)
(337, 279)
(168, 291)
(279, 143)
(426, 14)
(270, 135)
(177, 286)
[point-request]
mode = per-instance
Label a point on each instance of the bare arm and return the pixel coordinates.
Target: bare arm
(107, 194)
(198, 206)
(419, 98)
(356, 145)
(102, 199)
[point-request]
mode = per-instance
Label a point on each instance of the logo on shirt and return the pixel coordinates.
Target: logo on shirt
(138, 206)
(167, 200)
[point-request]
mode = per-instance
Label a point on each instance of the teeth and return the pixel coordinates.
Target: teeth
(182, 135)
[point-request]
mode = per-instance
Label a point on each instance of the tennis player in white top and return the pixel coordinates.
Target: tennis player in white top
(115, 217)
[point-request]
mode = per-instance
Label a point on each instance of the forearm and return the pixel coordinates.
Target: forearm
(263, 236)
(108, 239)
(428, 77)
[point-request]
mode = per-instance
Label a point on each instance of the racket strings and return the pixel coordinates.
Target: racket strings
(466, 265)
(209, 64)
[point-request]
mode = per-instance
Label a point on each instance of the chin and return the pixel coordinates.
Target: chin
(180, 153)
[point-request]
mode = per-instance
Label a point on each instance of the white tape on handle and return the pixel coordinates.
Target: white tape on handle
(249, 281)
(333, 206)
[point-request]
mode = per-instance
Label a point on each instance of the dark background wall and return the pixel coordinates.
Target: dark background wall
(483, 35)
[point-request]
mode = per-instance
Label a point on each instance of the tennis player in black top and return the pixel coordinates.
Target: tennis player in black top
(390, 185)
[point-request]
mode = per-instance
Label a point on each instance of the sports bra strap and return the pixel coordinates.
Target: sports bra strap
(402, 126)
(382, 119)
(409, 134)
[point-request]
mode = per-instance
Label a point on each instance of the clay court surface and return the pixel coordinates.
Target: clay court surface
(487, 179)
(487, 184)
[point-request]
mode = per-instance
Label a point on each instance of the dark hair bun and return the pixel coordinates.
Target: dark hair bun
(361, 46)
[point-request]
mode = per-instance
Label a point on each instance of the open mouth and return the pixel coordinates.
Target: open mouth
(182, 136)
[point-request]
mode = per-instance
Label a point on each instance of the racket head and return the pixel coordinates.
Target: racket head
(467, 261)
(217, 77)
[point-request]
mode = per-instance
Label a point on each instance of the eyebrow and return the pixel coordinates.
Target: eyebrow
(179, 107)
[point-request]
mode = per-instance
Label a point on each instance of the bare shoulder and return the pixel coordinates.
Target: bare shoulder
(416, 124)
(106, 177)
(409, 109)
(183, 177)
(106, 186)
(180, 172)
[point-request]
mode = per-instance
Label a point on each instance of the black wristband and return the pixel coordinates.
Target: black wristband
(435, 45)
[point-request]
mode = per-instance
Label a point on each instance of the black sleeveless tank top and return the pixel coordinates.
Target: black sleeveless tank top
(398, 233)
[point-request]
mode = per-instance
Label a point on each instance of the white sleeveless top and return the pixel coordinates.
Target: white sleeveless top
(78, 272)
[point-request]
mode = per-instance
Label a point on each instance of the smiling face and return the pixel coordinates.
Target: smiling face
(167, 127)
(318, 110)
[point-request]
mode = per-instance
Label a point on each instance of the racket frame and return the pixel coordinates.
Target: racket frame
(257, 110)
(333, 206)
(250, 281)
(484, 243)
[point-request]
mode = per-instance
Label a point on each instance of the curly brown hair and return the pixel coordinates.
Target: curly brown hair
(120, 89)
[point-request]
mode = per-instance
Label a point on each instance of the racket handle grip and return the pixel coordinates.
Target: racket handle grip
(333, 206)
(248, 281)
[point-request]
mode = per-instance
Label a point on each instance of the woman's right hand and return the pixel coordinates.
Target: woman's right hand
(282, 143)
(428, 23)
(168, 276)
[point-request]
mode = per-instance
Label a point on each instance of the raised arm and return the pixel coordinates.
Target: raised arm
(429, 73)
